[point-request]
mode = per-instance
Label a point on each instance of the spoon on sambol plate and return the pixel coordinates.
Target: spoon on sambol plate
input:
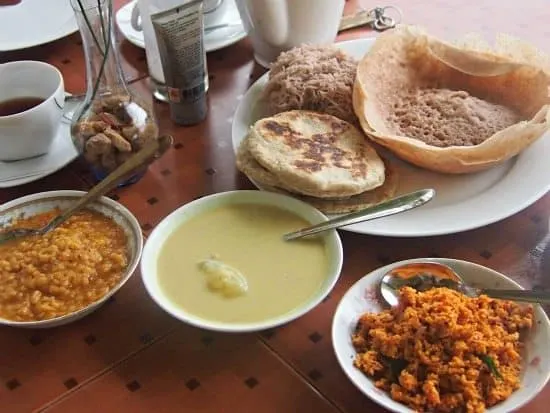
(423, 276)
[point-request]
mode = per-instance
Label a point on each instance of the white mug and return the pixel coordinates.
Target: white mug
(31, 132)
(213, 10)
(274, 26)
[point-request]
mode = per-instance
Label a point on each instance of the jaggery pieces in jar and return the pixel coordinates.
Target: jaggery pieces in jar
(115, 128)
(110, 103)
(118, 140)
(96, 146)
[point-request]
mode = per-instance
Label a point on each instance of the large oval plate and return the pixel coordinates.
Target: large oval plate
(361, 298)
(462, 202)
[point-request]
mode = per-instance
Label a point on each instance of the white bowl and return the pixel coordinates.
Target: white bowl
(46, 201)
(360, 298)
(159, 235)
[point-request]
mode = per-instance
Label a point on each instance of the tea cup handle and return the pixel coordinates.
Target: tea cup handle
(68, 104)
(135, 20)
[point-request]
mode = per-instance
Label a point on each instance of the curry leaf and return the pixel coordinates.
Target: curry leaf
(491, 365)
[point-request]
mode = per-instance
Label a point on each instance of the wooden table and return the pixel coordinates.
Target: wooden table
(132, 357)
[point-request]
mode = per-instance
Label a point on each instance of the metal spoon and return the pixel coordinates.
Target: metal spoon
(147, 154)
(423, 276)
(393, 206)
(469, 63)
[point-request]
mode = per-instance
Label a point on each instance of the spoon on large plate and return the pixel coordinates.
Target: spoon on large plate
(138, 160)
(391, 207)
(423, 276)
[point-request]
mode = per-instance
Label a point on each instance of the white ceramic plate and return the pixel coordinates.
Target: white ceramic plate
(162, 231)
(214, 40)
(45, 201)
(28, 170)
(461, 203)
(35, 22)
(360, 298)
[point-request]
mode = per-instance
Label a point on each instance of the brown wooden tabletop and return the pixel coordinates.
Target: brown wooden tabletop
(130, 356)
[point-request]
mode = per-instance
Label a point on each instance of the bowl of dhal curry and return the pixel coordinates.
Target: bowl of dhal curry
(53, 279)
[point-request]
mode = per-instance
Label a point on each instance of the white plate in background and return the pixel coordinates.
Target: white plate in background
(35, 22)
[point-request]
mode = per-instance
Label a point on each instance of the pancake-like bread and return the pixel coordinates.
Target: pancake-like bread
(316, 154)
(353, 203)
(253, 170)
(451, 117)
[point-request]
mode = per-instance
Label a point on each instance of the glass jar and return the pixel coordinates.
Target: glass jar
(110, 124)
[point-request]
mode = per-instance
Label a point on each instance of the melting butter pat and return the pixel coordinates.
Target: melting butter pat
(223, 278)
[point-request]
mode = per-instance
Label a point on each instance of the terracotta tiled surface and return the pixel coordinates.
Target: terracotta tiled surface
(129, 356)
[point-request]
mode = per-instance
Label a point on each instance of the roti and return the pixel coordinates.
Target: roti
(353, 203)
(253, 170)
(316, 154)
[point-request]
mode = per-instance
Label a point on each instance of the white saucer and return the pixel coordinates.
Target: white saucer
(214, 40)
(28, 170)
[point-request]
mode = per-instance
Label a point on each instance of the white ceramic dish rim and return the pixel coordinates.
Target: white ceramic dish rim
(500, 200)
(113, 205)
(342, 351)
(163, 230)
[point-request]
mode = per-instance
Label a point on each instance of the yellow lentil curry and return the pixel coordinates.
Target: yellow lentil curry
(442, 351)
(43, 277)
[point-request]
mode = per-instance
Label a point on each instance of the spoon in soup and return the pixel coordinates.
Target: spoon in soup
(144, 156)
(391, 207)
(423, 276)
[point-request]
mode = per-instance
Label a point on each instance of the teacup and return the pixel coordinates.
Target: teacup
(32, 98)
(274, 26)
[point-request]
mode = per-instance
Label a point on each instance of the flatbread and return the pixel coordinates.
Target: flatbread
(251, 168)
(267, 180)
(401, 60)
(316, 154)
(256, 172)
(353, 203)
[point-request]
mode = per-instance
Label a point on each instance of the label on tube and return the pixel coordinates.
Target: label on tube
(179, 32)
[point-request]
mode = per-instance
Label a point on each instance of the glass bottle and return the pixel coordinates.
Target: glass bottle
(110, 124)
